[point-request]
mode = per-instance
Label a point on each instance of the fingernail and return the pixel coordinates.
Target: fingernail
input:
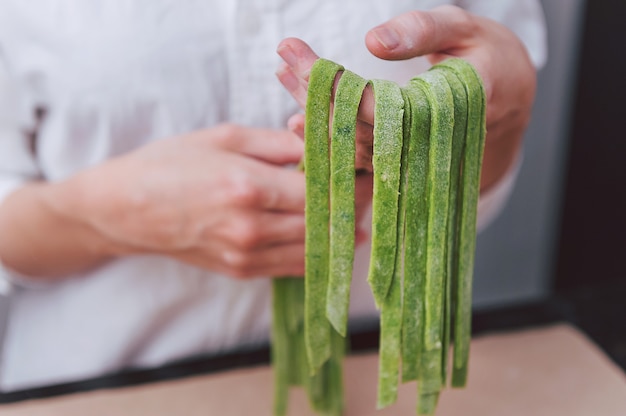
(287, 54)
(388, 38)
(288, 79)
(295, 122)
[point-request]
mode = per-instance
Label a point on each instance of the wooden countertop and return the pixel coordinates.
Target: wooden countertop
(548, 371)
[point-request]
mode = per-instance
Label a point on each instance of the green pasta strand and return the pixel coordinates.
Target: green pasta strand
(416, 227)
(298, 346)
(427, 154)
(388, 131)
(295, 326)
(442, 124)
(387, 234)
(325, 389)
(295, 292)
(427, 403)
(391, 309)
(317, 329)
(342, 210)
(470, 188)
(390, 345)
(452, 252)
(280, 346)
(335, 377)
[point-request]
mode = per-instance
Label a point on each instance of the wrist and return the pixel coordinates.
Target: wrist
(44, 234)
(499, 158)
(77, 203)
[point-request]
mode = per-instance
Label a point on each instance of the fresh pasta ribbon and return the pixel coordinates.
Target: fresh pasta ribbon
(427, 154)
(342, 210)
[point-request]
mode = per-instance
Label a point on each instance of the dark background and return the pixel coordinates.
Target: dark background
(592, 244)
(590, 271)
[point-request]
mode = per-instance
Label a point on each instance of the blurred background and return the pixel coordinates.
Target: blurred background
(558, 251)
(516, 254)
(561, 243)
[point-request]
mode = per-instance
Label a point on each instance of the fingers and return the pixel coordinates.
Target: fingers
(250, 230)
(363, 199)
(443, 30)
(294, 75)
(253, 167)
(268, 188)
(364, 146)
(298, 55)
(296, 124)
(269, 244)
(296, 86)
(418, 33)
(278, 147)
(281, 260)
(363, 187)
(363, 194)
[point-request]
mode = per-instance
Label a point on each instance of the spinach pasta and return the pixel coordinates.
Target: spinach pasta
(427, 154)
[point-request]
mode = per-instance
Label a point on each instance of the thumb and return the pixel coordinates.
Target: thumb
(418, 33)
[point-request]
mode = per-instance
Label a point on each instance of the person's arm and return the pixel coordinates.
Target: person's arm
(39, 240)
(496, 52)
(218, 198)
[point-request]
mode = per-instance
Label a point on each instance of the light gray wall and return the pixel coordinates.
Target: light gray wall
(515, 254)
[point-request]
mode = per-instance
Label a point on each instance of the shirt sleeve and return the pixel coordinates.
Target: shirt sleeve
(17, 159)
(524, 18)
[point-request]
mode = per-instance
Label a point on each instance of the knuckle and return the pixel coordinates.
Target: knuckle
(430, 25)
(226, 134)
(244, 191)
(237, 263)
(460, 17)
(246, 234)
(227, 130)
(424, 22)
(452, 9)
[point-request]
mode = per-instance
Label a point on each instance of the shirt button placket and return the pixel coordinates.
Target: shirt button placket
(255, 60)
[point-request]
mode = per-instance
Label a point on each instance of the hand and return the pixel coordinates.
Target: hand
(294, 75)
(498, 55)
(219, 198)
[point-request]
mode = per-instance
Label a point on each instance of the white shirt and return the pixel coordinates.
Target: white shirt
(106, 77)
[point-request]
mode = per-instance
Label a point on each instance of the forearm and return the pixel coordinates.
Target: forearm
(42, 239)
(219, 199)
